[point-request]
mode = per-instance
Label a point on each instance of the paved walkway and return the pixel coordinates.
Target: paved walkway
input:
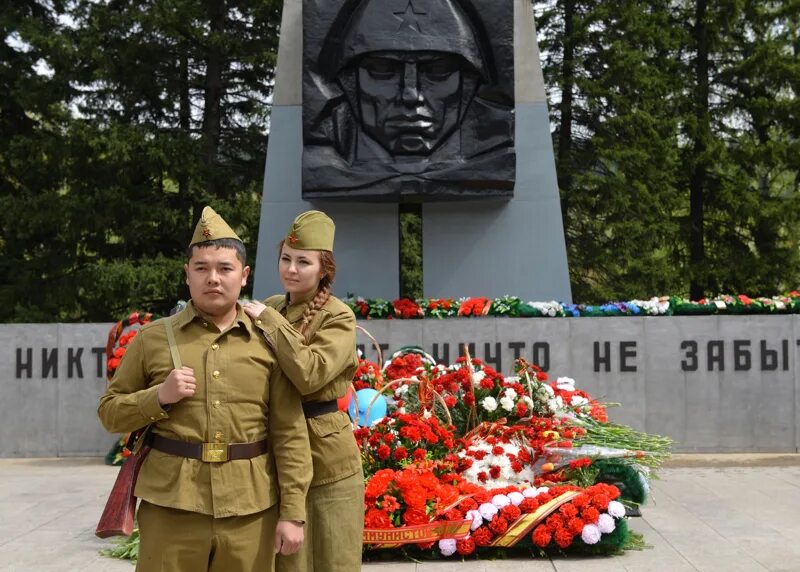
(723, 513)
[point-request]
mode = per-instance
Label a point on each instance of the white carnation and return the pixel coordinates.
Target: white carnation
(542, 490)
(506, 403)
(555, 404)
(591, 534)
(476, 518)
(477, 377)
(616, 509)
(510, 393)
(565, 383)
(501, 501)
(447, 547)
(516, 498)
(606, 524)
(530, 493)
(548, 389)
(427, 414)
(578, 401)
(487, 510)
(489, 403)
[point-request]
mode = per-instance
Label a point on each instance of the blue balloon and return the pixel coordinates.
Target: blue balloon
(377, 410)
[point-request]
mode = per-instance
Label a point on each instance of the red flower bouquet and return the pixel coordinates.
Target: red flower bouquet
(403, 438)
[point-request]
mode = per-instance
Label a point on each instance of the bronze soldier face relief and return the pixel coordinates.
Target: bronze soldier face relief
(409, 101)
(405, 98)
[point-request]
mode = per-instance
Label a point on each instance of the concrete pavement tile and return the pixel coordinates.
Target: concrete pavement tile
(518, 565)
(659, 556)
(588, 564)
(774, 555)
(702, 546)
(453, 566)
(389, 566)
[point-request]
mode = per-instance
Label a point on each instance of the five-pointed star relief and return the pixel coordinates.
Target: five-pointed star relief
(408, 17)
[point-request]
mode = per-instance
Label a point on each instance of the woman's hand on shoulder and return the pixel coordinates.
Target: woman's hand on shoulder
(254, 309)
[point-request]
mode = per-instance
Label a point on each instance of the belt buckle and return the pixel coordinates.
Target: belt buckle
(215, 452)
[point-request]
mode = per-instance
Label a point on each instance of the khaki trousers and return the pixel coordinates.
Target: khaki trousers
(175, 540)
(333, 531)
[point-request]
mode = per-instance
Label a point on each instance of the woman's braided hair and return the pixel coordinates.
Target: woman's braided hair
(328, 266)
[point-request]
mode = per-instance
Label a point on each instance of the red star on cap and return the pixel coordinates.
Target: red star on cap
(206, 232)
(292, 238)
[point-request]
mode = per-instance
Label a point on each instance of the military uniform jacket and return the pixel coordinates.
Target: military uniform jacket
(241, 397)
(321, 370)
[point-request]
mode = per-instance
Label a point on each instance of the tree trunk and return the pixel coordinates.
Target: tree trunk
(214, 88)
(564, 162)
(699, 175)
(185, 124)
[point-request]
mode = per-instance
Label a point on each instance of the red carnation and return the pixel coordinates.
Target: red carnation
(498, 450)
(601, 501)
(575, 525)
(554, 522)
(384, 452)
(419, 454)
(541, 537)
(411, 433)
(563, 537)
(581, 501)
(469, 504)
(510, 512)
(377, 519)
(529, 505)
(590, 515)
(483, 477)
(498, 525)
(454, 514)
(414, 516)
(579, 463)
(465, 547)
(568, 510)
(400, 453)
(482, 536)
(494, 470)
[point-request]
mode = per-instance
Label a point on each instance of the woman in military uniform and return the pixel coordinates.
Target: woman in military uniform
(313, 335)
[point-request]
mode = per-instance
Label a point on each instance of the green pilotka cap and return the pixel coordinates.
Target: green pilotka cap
(311, 230)
(211, 226)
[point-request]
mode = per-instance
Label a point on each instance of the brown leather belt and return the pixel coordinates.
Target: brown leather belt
(209, 452)
(316, 408)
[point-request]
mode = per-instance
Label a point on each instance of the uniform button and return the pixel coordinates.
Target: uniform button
(215, 373)
(205, 324)
(216, 403)
(152, 419)
(258, 322)
(215, 346)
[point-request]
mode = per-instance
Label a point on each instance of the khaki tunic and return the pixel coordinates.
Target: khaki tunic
(239, 387)
(321, 370)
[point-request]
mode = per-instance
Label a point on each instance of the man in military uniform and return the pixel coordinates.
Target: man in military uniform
(228, 428)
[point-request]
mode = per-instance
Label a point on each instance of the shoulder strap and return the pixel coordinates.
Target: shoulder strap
(173, 346)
